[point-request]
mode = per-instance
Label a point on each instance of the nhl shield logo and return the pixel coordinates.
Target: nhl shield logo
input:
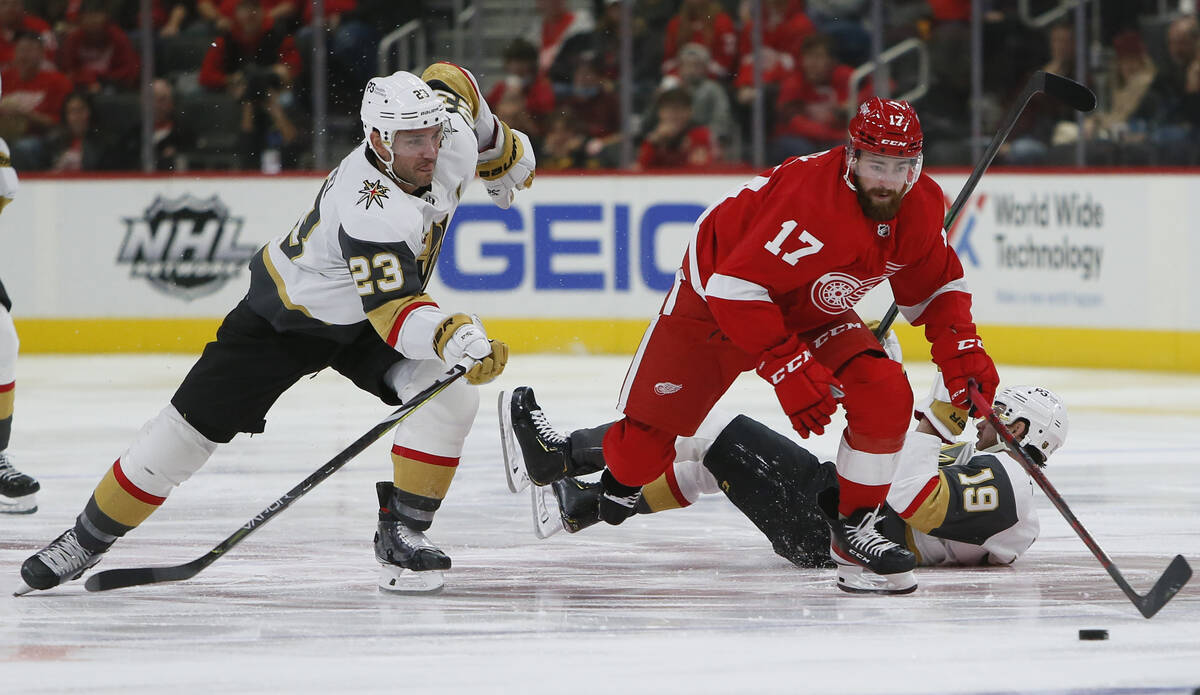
(884, 230)
(185, 247)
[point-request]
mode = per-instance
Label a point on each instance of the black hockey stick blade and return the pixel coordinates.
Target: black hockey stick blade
(1178, 573)
(1172, 580)
(137, 576)
(1069, 92)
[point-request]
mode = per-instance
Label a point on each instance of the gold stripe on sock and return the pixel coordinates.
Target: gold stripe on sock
(121, 506)
(658, 495)
(421, 478)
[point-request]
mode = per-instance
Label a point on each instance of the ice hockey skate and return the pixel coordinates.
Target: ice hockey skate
(533, 450)
(61, 561)
(410, 562)
(569, 505)
(17, 490)
(867, 561)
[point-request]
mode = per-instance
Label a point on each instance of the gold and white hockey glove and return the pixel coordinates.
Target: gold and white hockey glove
(948, 419)
(512, 170)
(462, 336)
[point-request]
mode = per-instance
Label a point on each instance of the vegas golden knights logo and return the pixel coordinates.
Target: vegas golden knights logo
(185, 247)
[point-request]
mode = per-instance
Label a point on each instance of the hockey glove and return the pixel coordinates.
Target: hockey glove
(511, 170)
(618, 502)
(960, 355)
(805, 388)
(947, 419)
(462, 336)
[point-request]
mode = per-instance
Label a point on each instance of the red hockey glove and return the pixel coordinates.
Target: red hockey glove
(806, 388)
(960, 356)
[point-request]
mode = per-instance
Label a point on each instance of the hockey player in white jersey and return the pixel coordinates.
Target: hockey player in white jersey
(950, 503)
(18, 491)
(344, 288)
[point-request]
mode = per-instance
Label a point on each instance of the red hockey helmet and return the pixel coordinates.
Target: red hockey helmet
(887, 127)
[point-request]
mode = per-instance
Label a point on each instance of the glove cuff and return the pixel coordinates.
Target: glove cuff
(445, 332)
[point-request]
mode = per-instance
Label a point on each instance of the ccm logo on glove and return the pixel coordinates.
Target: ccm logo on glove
(792, 365)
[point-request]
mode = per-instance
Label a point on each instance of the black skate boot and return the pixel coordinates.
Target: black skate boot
(61, 561)
(411, 564)
(867, 561)
(567, 504)
(17, 490)
(533, 450)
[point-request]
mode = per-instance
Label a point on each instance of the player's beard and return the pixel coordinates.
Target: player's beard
(872, 207)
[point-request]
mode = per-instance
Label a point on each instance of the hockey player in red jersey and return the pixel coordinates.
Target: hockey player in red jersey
(769, 282)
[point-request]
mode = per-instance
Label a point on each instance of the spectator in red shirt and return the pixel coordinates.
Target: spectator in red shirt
(706, 23)
(676, 142)
(811, 108)
(523, 98)
(593, 104)
(251, 56)
(556, 26)
(785, 26)
(13, 19)
(98, 54)
(33, 97)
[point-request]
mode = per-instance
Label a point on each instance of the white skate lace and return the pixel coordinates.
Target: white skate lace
(64, 555)
(866, 538)
(544, 431)
(8, 474)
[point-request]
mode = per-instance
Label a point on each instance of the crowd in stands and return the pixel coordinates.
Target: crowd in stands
(232, 86)
(1145, 67)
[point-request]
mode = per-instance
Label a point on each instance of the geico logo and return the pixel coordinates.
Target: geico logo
(565, 246)
(836, 330)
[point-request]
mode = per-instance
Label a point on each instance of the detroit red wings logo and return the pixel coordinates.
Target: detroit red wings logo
(373, 192)
(835, 293)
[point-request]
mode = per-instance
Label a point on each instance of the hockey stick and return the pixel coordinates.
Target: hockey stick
(121, 578)
(1062, 89)
(1172, 580)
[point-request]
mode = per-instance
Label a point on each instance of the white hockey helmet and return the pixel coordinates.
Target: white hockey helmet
(400, 101)
(1042, 410)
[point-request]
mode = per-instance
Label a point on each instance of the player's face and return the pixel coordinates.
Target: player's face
(985, 434)
(880, 181)
(415, 153)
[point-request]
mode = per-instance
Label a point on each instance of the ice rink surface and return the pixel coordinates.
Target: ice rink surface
(686, 601)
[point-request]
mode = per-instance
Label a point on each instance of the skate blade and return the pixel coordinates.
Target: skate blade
(514, 460)
(398, 580)
(856, 580)
(22, 589)
(18, 505)
(547, 520)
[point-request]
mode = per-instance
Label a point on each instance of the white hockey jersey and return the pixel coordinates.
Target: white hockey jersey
(366, 249)
(960, 507)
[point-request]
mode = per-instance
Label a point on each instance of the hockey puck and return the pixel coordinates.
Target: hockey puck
(1093, 634)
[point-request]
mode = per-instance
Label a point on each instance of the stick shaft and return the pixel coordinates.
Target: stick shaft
(1036, 83)
(120, 578)
(1177, 574)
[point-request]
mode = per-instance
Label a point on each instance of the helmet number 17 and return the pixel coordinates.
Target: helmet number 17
(811, 244)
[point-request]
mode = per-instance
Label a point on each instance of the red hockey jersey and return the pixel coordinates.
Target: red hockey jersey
(791, 249)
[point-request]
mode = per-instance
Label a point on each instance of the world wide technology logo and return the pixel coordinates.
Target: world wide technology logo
(185, 247)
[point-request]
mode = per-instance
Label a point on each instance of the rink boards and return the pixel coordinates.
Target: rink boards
(1066, 268)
